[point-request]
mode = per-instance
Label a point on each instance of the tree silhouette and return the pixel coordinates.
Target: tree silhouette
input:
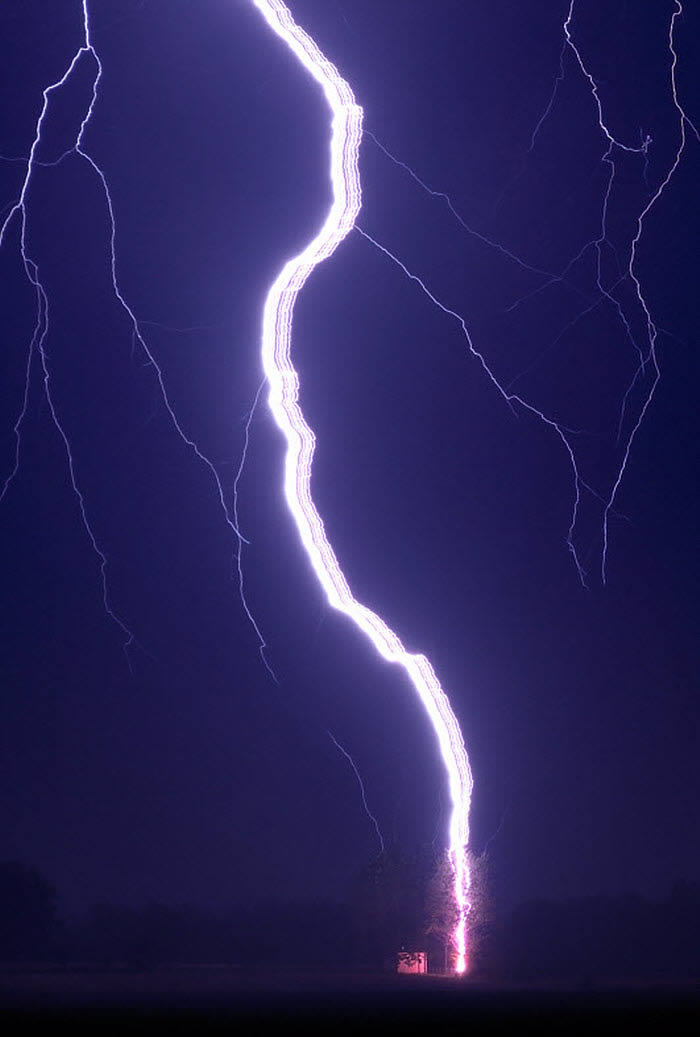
(28, 921)
(388, 903)
(442, 911)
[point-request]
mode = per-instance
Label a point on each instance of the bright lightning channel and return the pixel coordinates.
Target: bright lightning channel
(346, 134)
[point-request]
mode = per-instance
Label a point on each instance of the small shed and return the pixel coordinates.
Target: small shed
(412, 961)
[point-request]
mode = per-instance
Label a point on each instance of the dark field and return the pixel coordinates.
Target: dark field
(213, 997)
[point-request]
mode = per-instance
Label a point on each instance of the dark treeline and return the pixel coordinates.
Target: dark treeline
(595, 939)
(602, 938)
(265, 934)
(113, 935)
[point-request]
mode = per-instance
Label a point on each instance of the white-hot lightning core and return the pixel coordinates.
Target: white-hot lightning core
(346, 133)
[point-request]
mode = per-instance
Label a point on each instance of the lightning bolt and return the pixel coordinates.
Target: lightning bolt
(282, 380)
(346, 134)
(239, 553)
(361, 783)
(510, 398)
(651, 327)
(37, 343)
(646, 351)
(20, 211)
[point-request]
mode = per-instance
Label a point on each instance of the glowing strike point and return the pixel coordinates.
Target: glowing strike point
(283, 381)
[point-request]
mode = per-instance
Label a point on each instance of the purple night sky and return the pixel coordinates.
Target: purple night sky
(179, 770)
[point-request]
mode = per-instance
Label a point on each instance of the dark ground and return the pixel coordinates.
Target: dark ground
(214, 997)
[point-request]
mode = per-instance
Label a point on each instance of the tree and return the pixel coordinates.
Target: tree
(388, 903)
(442, 910)
(28, 921)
